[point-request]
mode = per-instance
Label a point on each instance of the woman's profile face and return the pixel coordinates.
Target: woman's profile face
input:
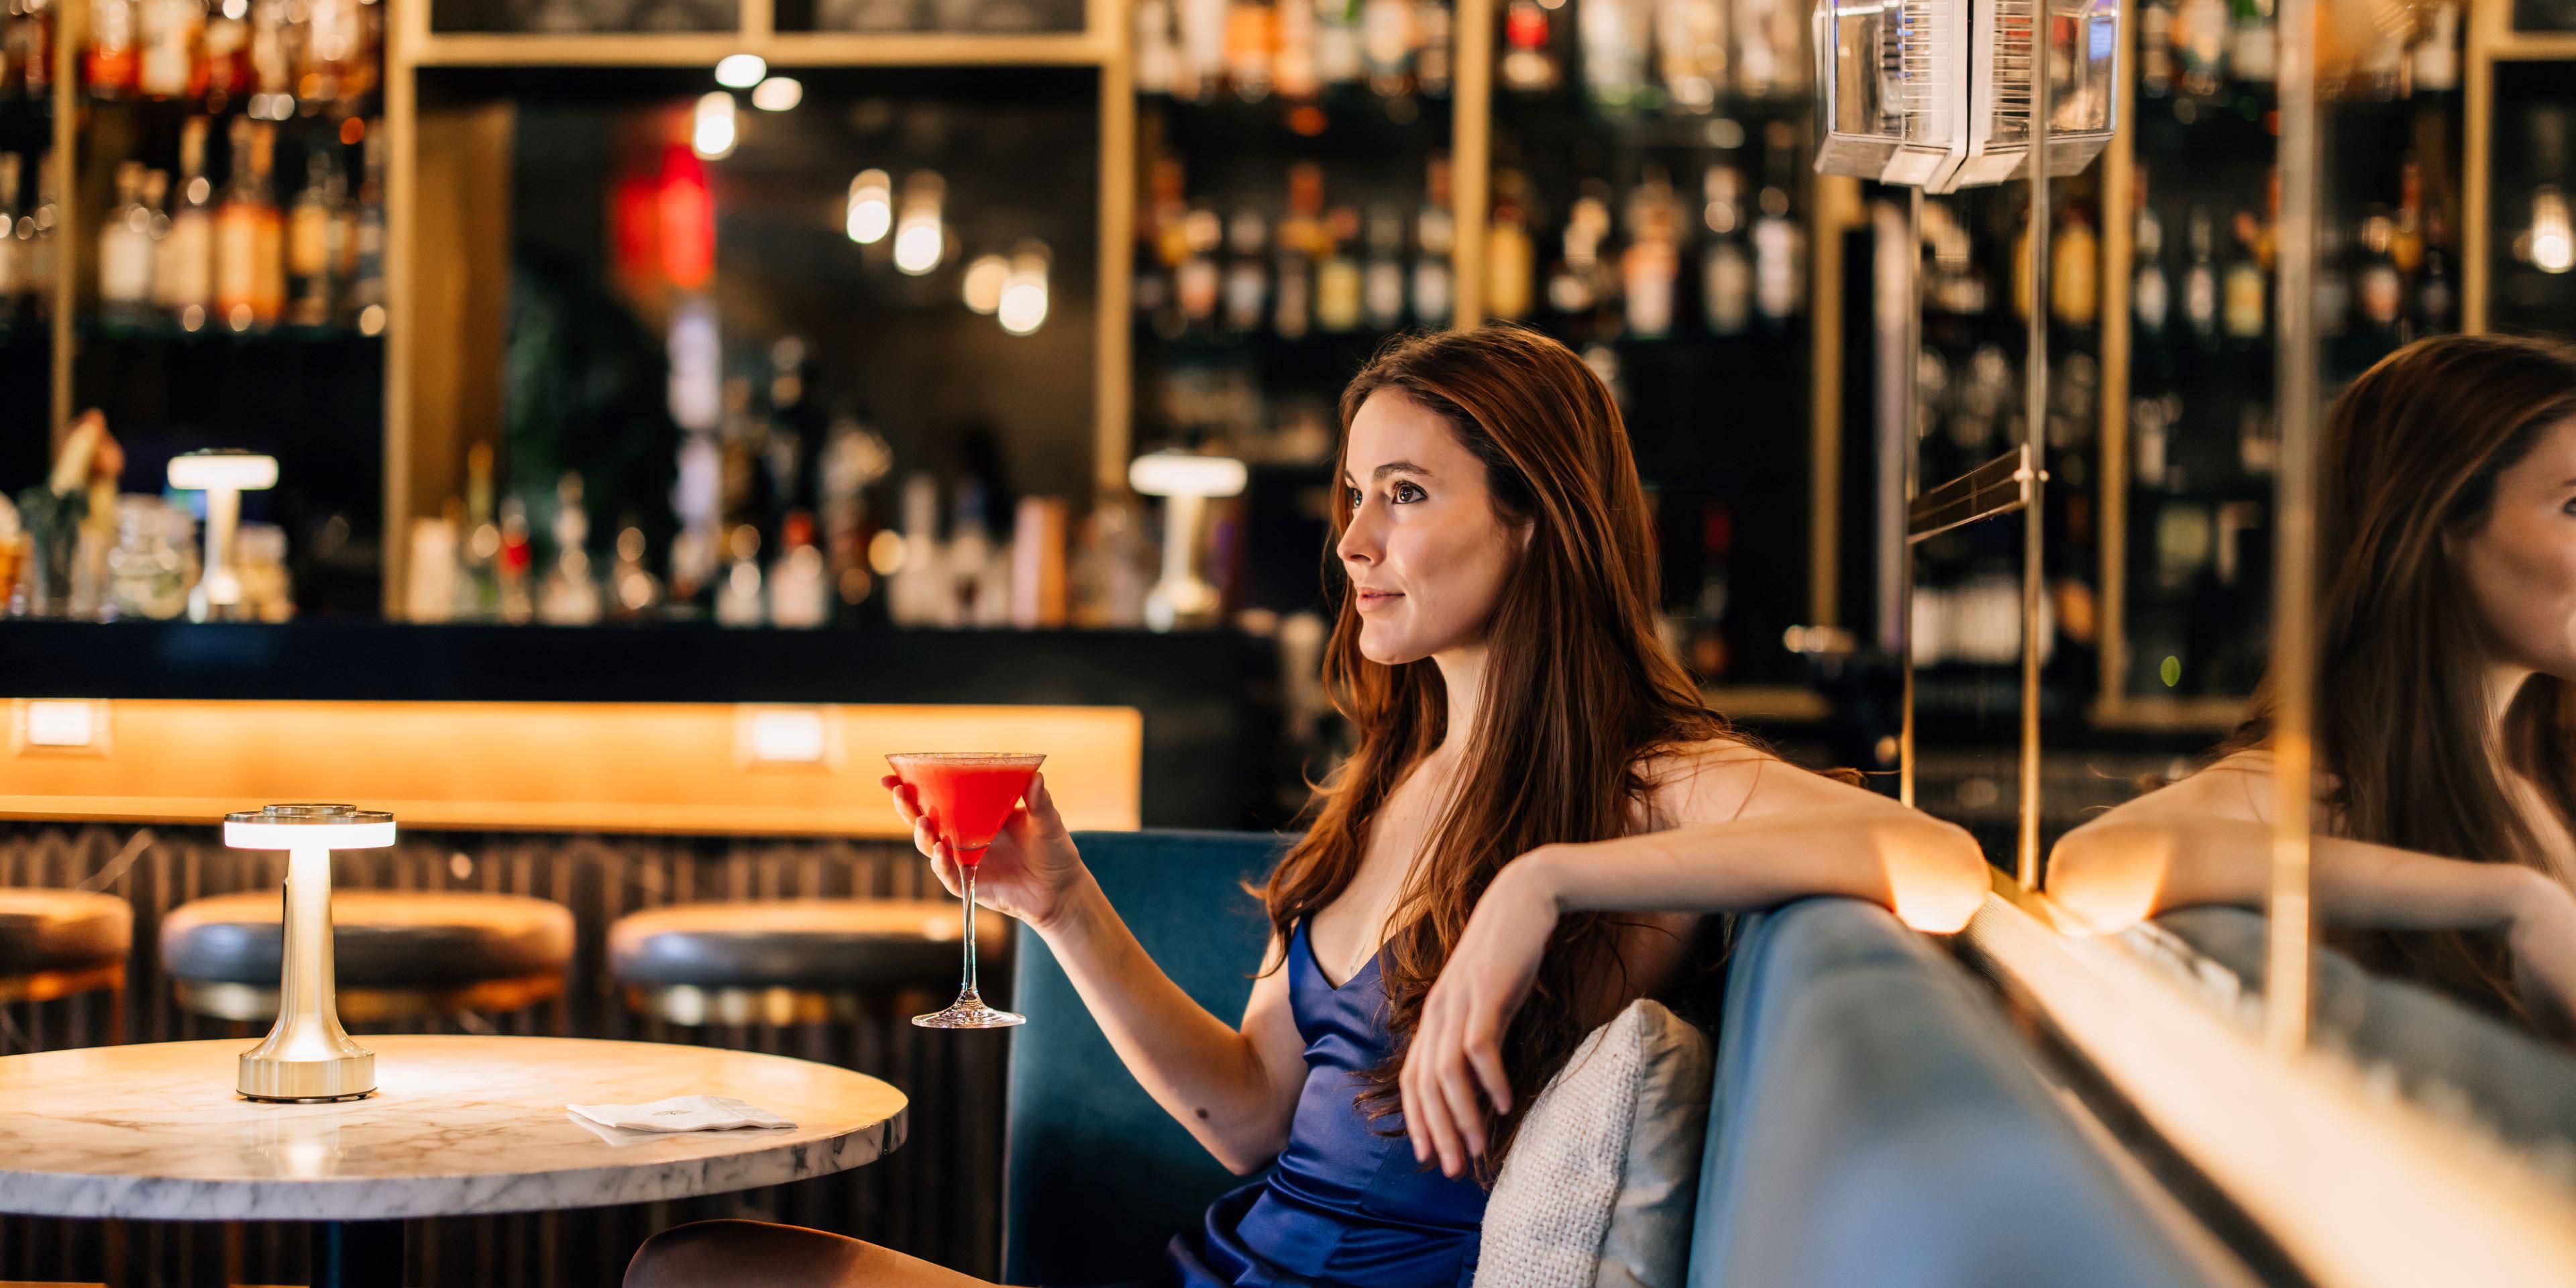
(2520, 565)
(1426, 552)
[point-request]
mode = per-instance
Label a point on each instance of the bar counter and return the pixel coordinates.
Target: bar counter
(1204, 698)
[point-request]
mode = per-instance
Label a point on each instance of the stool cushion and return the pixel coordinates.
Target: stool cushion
(43, 930)
(379, 938)
(822, 944)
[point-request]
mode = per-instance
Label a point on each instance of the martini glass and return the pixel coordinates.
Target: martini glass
(967, 795)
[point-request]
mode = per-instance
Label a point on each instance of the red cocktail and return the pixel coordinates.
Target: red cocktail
(967, 796)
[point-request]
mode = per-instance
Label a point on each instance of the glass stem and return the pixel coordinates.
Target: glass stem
(969, 984)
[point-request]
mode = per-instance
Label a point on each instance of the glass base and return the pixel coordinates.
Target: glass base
(969, 1012)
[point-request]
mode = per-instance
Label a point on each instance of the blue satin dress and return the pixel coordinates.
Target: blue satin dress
(1345, 1203)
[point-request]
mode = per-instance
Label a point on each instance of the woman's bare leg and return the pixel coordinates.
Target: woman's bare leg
(756, 1254)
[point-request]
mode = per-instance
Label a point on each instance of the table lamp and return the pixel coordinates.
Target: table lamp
(308, 1056)
(1185, 481)
(223, 475)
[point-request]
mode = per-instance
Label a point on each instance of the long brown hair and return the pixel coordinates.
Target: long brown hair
(2412, 453)
(1579, 691)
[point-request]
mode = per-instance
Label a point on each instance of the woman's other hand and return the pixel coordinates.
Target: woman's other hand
(2543, 939)
(1454, 1067)
(1026, 871)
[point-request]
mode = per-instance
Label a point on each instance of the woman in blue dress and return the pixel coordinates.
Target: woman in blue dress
(1538, 810)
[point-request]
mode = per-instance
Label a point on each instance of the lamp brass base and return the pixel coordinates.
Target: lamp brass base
(348, 1077)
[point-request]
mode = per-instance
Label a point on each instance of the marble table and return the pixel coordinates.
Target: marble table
(458, 1126)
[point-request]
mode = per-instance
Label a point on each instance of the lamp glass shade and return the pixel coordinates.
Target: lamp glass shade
(239, 471)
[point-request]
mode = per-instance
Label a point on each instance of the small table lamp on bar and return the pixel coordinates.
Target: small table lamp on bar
(223, 475)
(1186, 481)
(308, 1056)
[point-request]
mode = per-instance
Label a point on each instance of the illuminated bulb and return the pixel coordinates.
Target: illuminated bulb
(2553, 241)
(871, 206)
(711, 134)
(985, 279)
(919, 241)
(1023, 306)
(740, 71)
(778, 94)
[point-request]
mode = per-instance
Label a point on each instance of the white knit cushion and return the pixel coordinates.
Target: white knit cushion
(1601, 1184)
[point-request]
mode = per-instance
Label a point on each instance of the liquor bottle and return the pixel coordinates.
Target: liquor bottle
(13, 279)
(226, 58)
(364, 224)
(1509, 256)
(1251, 30)
(313, 233)
(274, 37)
(335, 61)
(1575, 282)
(2150, 293)
(1613, 35)
(1435, 238)
(1431, 58)
(125, 250)
(2334, 282)
(478, 574)
(1690, 51)
(2243, 288)
(799, 592)
(2200, 280)
(112, 65)
(249, 235)
(2406, 238)
(173, 56)
(1726, 268)
(2074, 271)
(2200, 45)
(1199, 282)
(1778, 243)
(2436, 300)
(1247, 271)
(1382, 285)
(2437, 56)
(2155, 49)
(1651, 264)
(1386, 45)
(1294, 66)
(739, 599)
(1339, 281)
(1529, 59)
(183, 278)
(2253, 48)
(1157, 57)
(2379, 287)
(1337, 43)
(570, 594)
(37, 229)
(1292, 294)
(27, 48)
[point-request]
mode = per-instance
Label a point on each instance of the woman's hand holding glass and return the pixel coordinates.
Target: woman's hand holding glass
(1025, 873)
(1455, 1064)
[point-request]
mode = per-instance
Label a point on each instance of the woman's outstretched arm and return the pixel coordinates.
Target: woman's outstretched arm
(1233, 1086)
(1751, 832)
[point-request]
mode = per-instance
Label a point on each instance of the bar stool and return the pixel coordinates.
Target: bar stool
(54, 943)
(791, 961)
(398, 953)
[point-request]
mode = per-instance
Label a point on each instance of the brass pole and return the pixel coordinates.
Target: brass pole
(2035, 444)
(2295, 541)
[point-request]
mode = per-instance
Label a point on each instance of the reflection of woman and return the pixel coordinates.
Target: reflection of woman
(1530, 759)
(2446, 695)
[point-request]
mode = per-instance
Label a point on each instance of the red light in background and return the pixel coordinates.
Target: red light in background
(688, 220)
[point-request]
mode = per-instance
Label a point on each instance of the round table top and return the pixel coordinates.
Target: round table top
(458, 1125)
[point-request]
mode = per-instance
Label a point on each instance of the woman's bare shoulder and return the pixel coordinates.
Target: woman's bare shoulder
(1704, 782)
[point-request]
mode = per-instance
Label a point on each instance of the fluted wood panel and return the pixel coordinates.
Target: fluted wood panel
(938, 1197)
